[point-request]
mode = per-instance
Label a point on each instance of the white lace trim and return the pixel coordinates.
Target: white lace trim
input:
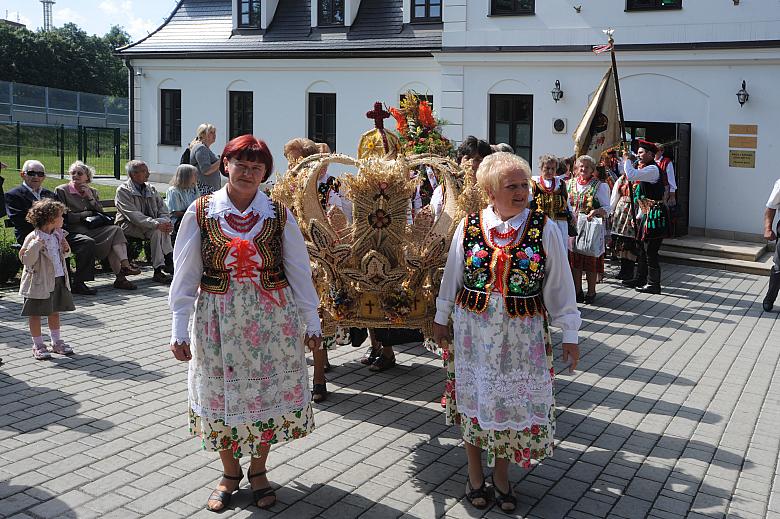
(251, 416)
(221, 205)
(502, 426)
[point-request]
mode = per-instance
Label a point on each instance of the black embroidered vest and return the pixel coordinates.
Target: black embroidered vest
(553, 204)
(215, 249)
(522, 280)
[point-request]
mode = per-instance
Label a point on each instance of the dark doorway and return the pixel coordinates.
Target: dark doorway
(677, 137)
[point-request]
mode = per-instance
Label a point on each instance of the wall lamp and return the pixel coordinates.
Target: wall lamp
(557, 93)
(742, 95)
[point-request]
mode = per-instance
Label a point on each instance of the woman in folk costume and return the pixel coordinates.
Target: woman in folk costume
(550, 197)
(242, 265)
(624, 227)
(589, 196)
(506, 273)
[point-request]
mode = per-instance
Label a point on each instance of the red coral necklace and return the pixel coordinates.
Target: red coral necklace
(242, 224)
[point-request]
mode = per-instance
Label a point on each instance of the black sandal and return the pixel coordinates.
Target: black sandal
(473, 494)
(504, 499)
(382, 363)
(223, 496)
(371, 355)
(260, 493)
(319, 392)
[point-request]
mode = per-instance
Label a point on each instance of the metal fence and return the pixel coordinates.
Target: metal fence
(58, 146)
(43, 105)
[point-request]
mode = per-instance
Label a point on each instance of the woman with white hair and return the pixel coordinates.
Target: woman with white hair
(589, 196)
(201, 156)
(506, 272)
(85, 216)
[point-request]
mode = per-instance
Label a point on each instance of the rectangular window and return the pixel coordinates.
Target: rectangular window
(322, 119)
(499, 7)
(421, 97)
(511, 121)
(426, 10)
(249, 13)
(170, 117)
(240, 114)
(652, 5)
(331, 12)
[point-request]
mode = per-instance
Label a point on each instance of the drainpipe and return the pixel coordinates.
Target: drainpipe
(131, 92)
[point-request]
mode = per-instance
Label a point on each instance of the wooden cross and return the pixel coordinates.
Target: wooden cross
(416, 300)
(378, 114)
(370, 306)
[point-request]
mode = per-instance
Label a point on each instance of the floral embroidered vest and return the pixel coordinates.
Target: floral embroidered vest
(586, 201)
(553, 204)
(215, 249)
(522, 279)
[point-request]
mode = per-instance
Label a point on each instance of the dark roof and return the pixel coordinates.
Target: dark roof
(198, 28)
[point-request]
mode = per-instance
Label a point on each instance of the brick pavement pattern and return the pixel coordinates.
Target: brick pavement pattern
(675, 413)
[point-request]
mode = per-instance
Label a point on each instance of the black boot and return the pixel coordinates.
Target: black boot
(771, 293)
(653, 281)
(626, 270)
(168, 263)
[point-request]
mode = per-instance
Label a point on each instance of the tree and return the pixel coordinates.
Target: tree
(65, 57)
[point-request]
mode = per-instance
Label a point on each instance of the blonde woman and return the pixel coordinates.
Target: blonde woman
(83, 206)
(204, 159)
(182, 192)
(506, 273)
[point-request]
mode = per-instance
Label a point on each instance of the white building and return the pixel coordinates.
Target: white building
(285, 68)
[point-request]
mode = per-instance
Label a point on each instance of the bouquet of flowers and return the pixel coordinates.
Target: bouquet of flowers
(418, 129)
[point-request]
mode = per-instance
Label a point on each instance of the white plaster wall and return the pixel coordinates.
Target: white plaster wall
(555, 22)
(699, 90)
(280, 98)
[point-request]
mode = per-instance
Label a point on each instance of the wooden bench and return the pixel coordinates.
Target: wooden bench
(109, 207)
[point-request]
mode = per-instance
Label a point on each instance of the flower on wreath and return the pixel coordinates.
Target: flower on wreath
(379, 219)
(418, 128)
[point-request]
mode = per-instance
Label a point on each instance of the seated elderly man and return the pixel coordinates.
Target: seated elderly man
(142, 213)
(18, 202)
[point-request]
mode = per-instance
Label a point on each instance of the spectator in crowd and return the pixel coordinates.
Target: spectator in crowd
(502, 146)
(204, 159)
(469, 155)
(299, 148)
(20, 199)
(770, 234)
(182, 192)
(85, 217)
(2, 197)
(141, 213)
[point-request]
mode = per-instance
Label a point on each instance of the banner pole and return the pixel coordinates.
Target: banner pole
(617, 91)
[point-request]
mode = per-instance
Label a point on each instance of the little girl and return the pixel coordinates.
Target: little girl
(45, 286)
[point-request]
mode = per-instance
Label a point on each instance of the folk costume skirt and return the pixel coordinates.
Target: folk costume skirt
(499, 385)
(248, 381)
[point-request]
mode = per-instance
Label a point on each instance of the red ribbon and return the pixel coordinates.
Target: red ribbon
(245, 268)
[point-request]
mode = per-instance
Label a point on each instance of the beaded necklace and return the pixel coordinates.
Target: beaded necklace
(242, 224)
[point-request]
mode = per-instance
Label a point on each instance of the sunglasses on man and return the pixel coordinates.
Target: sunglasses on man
(33, 173)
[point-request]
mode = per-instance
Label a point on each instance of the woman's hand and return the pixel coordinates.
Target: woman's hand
(441, 334)
(595, 214)
(571, 351)
(313, 342)
(181, 350)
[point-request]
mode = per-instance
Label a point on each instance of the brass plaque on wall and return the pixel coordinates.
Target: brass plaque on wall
(742, 159)
(743, 129)
(743, 142)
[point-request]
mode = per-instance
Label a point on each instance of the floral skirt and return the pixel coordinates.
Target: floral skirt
(249, 438)
(519, 446)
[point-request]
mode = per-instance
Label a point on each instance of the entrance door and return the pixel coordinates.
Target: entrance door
(677, 138)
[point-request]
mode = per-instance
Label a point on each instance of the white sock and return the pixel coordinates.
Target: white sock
(55, 334)
(38, 341)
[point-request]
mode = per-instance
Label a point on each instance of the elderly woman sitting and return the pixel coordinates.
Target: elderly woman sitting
(506, 272)
(85, 216)
(182, 192)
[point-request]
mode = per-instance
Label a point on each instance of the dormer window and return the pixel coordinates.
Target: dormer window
(426, 10)
(331, 12)
(249, 13)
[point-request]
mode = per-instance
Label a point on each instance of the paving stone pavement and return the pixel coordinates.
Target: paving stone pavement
(675, 413)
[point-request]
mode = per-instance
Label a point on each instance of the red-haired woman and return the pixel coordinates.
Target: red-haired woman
(242, 264)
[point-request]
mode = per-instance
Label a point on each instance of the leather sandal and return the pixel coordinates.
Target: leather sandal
(382, 363)
(506, 502)
(319, 392)
(223, 496)
(260, 493)
(472, 494)
(122, 283)
(130, 271)
(371, 355)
